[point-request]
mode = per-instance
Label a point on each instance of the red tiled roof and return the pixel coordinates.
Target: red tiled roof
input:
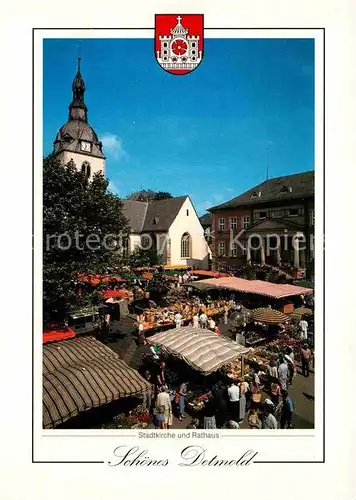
(274, 290)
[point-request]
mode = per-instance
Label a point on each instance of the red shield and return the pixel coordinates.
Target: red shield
(179, 42)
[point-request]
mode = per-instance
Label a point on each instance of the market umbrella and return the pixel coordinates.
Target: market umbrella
(269, 316)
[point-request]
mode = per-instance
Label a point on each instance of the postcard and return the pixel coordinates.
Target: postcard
(179, 204)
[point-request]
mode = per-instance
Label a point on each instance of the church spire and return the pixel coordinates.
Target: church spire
(77, 108)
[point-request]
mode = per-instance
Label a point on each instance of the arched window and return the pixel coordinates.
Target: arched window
(86, 168)
(286, 189)
(186, 246)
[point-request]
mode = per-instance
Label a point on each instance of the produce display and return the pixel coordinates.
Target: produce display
(187, 308)
(139, 418)
(198, 403)
(233, 370)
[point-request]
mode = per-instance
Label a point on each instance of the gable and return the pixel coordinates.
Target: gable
(272, 225)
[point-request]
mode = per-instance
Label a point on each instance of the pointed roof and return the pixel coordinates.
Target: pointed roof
(156, 215)
(77, 128)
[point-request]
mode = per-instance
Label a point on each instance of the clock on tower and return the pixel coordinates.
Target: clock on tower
(85, 146)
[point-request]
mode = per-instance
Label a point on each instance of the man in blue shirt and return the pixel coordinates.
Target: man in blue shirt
(287, 411)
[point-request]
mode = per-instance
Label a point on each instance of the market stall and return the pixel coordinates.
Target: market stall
(205, 353)
(162, 317)
(82, 373)
(282, 295)
(200, 348)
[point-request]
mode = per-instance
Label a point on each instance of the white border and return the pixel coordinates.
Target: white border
(94, 445)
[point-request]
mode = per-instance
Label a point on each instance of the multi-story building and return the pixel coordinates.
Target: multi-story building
(272, 223)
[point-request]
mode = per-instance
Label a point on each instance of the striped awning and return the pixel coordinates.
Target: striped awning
(83, 373)
(269, 316)
(202, 349)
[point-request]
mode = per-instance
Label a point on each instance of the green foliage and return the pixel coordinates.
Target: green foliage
(149, 195)
(158, 286)
(90, 220)
(145, 258)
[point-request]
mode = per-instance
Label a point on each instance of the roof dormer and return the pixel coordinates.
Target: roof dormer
(255, 194)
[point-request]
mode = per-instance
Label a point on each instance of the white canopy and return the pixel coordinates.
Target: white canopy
(202, 349)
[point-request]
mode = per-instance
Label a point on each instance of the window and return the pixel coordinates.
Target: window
(245, 221)
(86, 169)
(155, 220)
(294, 212)
(185, 246)
(286, 189)
(261, 215)
(187, 212)
(126, 246)
(221, 224)
(221, 248)
(193, 44)
(234, 249)
(277, 213)
(233, 223)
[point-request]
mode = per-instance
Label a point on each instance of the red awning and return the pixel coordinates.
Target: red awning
(212, 274)
(96, 279)
(58, 334)
(111, 294)
(274, 290)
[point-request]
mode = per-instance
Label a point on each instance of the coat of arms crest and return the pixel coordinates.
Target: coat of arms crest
(179, 42)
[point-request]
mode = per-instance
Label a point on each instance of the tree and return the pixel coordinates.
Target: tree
(149, 195)
(83, 224)
(141, 257)
(158, 286)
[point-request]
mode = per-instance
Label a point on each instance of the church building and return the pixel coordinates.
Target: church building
(172, 225)
(76, 140)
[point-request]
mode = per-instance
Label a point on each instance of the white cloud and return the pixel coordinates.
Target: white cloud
(113, 147)
(113, 187)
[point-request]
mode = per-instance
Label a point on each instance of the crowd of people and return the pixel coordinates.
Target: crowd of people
(226, 405)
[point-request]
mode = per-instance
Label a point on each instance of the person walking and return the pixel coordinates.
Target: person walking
(244, 387)
(226, 314)
(287, 411)
(209, 414)
(203, 320)
(183, 389)
(196, 321)
(178, 319)
(163, 408)
(303, 326)
(212, 324)
(233, 393)
(306, 355)
(283, 375)
(268, 419)
(291, 368)
(275, 393)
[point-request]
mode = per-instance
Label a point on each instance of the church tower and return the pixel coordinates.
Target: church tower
(76, 140)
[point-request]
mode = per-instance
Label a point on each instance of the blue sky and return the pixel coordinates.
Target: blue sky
(204, 134)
